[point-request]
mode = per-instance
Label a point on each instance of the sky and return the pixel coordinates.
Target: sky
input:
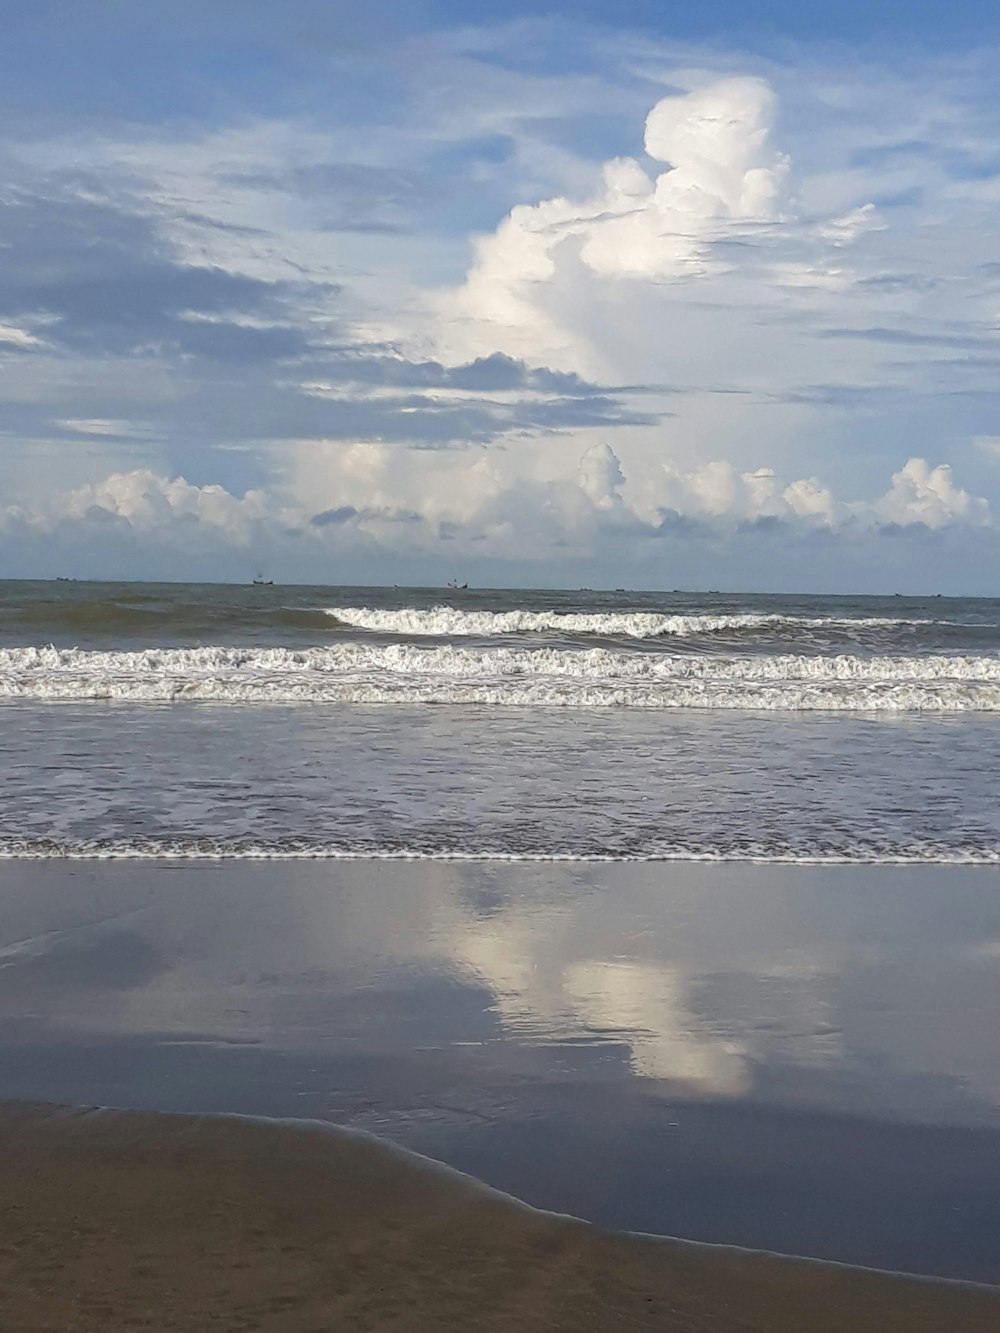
(700, 297)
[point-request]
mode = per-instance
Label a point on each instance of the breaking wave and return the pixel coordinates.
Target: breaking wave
(370, 673)
(680, 631)
(453, 622)
(292, 849)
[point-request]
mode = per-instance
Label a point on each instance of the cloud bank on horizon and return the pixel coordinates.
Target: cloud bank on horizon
(529, 301)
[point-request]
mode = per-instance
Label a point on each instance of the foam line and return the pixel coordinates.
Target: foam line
(359, 673)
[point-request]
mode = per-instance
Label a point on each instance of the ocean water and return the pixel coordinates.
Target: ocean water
(206, 720)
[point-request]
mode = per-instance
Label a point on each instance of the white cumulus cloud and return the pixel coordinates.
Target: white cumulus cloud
(720, 173)
(720, 491)
(601, 476)
(150, 503)
(923, 494)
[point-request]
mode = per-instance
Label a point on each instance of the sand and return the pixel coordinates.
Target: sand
(114, 1220)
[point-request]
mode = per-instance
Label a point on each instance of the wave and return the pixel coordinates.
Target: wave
(141, 614)
(359, 673)
(146, 618)
(219, 849)
(452, 622)
(814, 633)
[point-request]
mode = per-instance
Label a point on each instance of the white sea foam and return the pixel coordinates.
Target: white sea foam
(370, 673)
(208, 849)
(452, 622)
(218, 849)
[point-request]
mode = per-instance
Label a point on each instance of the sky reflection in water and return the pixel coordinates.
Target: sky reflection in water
(688, 1048)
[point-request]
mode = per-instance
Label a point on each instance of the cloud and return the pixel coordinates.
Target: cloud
(723, 175)
(922, 494)
(717, 491)
(378, 486)
(723, 179)
(167, 508)
(601, 476)
(21, 339)
(846, 230)
(372, 506)
(98, 275)
(106, 429)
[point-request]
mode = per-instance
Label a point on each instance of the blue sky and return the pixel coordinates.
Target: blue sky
(520, 294)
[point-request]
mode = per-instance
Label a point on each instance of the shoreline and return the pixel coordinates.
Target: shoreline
(114, 1219)
(730, 1054)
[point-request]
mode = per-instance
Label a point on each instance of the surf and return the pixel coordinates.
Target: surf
(371, 674)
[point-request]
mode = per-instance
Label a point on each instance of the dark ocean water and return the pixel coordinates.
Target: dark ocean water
(205, 720)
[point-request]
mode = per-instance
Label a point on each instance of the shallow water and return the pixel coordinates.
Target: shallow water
(798, 1058)
(128, 780)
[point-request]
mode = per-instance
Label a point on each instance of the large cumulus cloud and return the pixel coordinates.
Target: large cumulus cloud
(712, 178)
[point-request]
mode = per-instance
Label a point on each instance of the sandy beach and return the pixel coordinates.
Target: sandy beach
(783, 1059)
(114, 1220)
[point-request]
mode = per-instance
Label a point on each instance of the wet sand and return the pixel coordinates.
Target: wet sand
(114, 1220)
(792, 1059)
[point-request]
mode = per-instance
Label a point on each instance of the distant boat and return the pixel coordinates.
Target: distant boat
(261, 582)
(457, 587)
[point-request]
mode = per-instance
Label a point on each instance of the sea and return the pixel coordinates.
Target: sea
(212, 721)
